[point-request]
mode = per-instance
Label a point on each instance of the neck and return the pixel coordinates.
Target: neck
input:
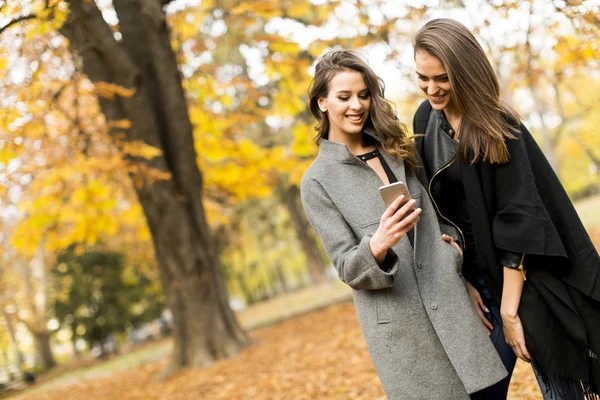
(356, 144)
(453, 116)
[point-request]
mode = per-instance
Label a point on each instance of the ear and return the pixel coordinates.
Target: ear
(322, 104)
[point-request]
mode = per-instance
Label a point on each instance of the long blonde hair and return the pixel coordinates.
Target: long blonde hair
(485, 124)
(382, 118)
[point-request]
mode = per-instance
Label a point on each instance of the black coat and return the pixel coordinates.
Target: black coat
(521, 207)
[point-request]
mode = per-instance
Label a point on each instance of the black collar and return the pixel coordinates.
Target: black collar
(339, 151)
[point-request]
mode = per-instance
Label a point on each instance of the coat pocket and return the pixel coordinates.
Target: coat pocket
(383, 306)
(458, 259)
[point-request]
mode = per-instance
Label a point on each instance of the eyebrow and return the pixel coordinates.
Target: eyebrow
(348, 91)
(445, 74)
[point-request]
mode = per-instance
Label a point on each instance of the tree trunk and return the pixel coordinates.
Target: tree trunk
(13, 337)
(315, 262)
(76, 353)
(548, 145)
(43, 352)
(539, 105)
(590, 153)
(205, 328)
(285, 287)
(247, 293)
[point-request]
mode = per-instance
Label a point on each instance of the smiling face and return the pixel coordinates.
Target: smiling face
(433, 80)
(347, 104)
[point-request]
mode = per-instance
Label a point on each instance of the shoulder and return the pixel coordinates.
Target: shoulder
(312, 177)
(424, 109)
(421, 116)
(523, 140)
(316, 169)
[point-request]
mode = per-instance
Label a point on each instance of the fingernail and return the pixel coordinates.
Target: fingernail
(486, 310)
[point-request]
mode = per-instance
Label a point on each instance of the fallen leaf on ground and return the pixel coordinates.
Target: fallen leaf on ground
(320, 355)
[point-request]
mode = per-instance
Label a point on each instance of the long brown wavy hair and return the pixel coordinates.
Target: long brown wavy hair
(382, 118)
(475, 91)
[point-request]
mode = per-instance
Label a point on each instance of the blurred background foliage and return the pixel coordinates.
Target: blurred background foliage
(67, 198)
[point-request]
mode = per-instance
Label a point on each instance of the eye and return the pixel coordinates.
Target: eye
(423, 78)
(343, 98)
(443, 79)
(365, 96)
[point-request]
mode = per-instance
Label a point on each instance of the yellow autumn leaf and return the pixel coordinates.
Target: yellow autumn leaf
(6, 155)
(227, 101)
(80, 195)
(262, 8)
(119, 123)
(285, 47)
(138, 148)
(109, 90)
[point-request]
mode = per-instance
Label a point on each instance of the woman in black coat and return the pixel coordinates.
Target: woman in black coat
(533, 272)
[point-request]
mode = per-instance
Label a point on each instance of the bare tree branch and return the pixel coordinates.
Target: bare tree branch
(565, 120)
(591, 17)
(588, 151)
(16, 21)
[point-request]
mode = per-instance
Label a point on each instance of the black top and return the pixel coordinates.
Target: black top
(454, 206)
(375, 153)
(390, 175)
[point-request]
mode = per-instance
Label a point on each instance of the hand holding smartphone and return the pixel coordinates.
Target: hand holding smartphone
(394, 223)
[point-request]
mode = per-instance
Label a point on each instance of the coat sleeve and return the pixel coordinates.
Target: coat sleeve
(352, 258)
(522, 223)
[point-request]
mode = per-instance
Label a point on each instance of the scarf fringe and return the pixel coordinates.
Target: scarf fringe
(588, 392)
(572, 389)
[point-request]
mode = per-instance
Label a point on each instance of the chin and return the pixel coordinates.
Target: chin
(354, 130)
(438, 107)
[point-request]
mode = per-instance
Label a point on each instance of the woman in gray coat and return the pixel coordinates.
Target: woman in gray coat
(423, 334)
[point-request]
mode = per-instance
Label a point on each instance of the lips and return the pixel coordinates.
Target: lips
(355, 118)
(438, 99)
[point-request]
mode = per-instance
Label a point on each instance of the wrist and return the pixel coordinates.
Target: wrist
(508, 314)
(376, 248)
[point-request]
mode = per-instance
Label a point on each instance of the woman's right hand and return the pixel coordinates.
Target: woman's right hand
(395, 222)
(479, 307)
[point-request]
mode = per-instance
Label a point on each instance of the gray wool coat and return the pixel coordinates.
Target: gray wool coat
(423, 334)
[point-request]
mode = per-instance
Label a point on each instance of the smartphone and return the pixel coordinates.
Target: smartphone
(390, 192)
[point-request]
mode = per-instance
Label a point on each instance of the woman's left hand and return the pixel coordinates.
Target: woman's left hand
(480, 307)
(449, 239)
(515, 336)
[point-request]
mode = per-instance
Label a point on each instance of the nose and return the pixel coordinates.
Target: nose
(432, 87)
(355, 103)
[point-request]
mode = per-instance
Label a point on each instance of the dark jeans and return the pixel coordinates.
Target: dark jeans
(499, 390)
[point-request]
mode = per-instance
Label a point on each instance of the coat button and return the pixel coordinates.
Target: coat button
(433, 306)
(420, 265)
